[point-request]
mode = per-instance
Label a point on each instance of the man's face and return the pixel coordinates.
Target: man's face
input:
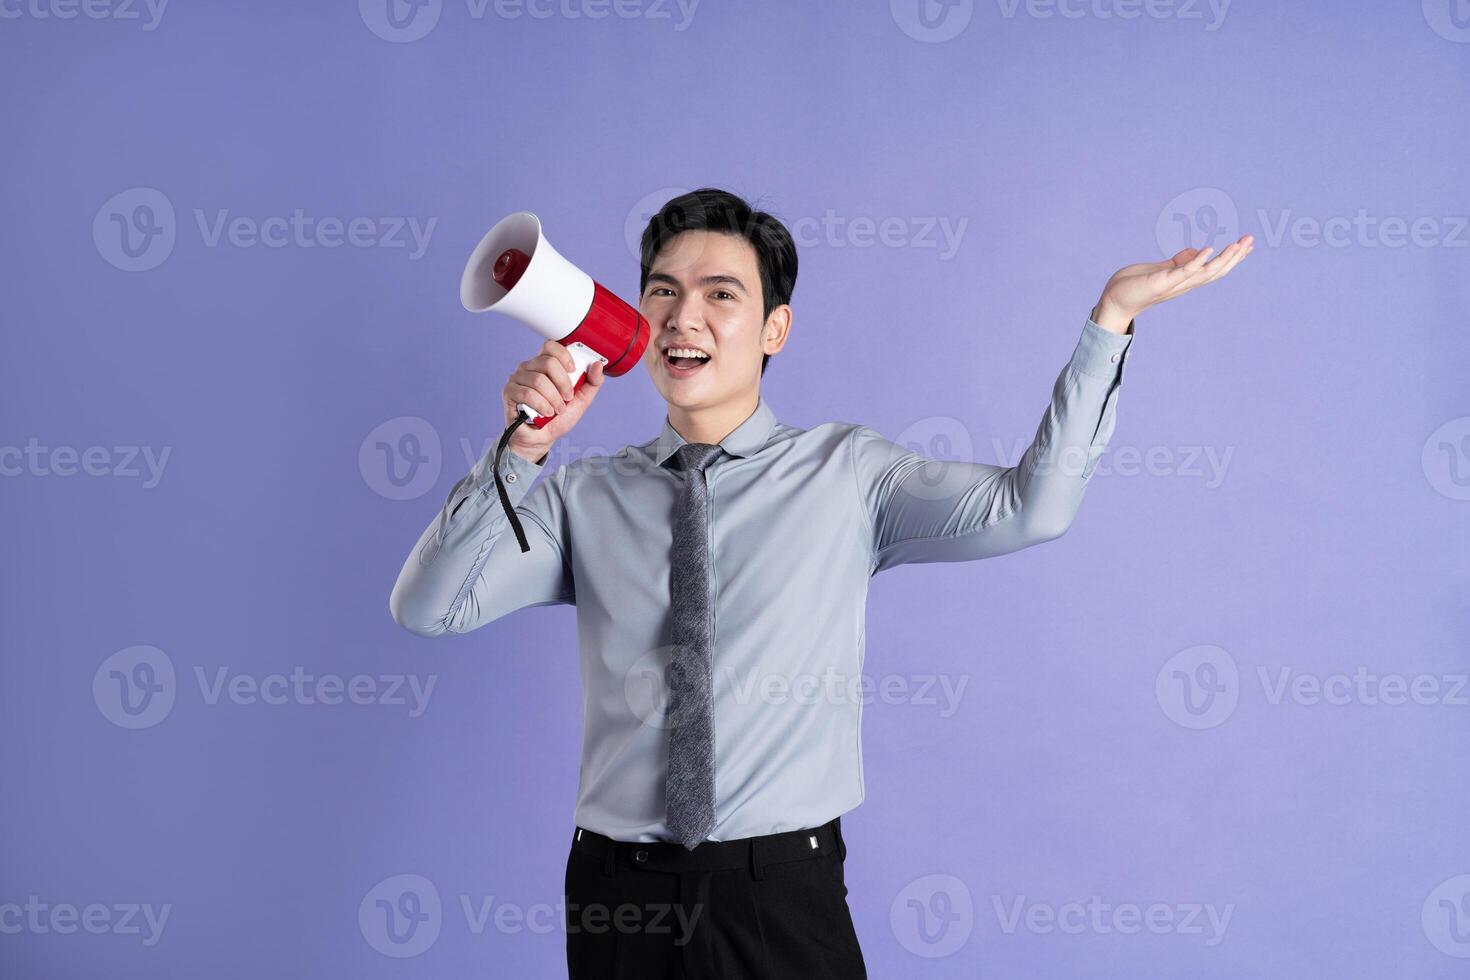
(704, 292)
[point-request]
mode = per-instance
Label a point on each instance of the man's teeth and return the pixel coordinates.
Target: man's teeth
(686, 352)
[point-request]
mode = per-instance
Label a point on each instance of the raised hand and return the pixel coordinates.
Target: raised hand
(1134, 288)
(544, 382)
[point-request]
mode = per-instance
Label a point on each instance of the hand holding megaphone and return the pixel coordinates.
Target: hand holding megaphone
(514, 270)
(556, 387)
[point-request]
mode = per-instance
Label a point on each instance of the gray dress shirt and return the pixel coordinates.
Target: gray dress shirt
(800, 520)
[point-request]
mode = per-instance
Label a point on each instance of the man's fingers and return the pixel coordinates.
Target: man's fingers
(561, 376)
(1235, 260)
(1197, 270)
(1225, 261)
(532, 397)
(561, 353)
(1229, 255)
(539, 381)
(1215, 270)
(1198, 262)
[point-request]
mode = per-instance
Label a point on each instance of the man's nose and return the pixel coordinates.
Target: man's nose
(687, 313)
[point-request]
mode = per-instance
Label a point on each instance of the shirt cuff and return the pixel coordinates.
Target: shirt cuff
(1101, 353)
(516, 473)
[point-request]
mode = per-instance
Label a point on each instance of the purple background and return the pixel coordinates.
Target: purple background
(1328, 377)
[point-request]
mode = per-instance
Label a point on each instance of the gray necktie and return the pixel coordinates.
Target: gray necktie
(690, 789)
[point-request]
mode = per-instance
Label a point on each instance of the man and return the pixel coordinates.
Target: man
(730, 550)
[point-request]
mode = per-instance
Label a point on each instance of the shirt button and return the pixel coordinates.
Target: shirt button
(511, 477)
(640, 856)
(1116, 358)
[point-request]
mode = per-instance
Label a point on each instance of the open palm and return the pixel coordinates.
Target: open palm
(1135, 288)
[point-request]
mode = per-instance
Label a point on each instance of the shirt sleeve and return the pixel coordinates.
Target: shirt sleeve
(467, 568)
(924, 510)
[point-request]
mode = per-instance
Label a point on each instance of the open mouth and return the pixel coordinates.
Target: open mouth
(684, 366)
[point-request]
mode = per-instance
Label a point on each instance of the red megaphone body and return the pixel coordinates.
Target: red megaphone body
(514, 270)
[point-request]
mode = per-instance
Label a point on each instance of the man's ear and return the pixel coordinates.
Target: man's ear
(777, 329)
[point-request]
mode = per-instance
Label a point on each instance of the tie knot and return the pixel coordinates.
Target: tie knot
(695, 456)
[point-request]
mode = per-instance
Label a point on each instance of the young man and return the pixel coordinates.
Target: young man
(728, 551)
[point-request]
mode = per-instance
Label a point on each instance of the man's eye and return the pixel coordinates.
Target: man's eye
(724, 292)
(660, 289)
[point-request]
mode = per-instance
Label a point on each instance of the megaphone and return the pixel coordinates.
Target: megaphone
(515, 271)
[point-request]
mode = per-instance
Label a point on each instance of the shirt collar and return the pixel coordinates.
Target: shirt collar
(747, 437)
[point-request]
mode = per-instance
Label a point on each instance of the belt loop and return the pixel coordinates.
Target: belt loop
(610, 858)
(837, 832)
(755, 859)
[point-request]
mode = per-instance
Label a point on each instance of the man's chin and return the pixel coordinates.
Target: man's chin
(683, 400)
(686, 396)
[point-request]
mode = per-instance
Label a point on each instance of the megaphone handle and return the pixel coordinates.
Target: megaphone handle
(582, 357)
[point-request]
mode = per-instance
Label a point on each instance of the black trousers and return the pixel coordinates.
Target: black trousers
(768, 907)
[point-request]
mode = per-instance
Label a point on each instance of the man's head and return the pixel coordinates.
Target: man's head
(716, 276)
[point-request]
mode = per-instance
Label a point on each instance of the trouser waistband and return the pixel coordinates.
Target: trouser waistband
(754, 853)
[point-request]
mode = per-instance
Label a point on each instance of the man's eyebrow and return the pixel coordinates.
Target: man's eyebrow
(720, 279)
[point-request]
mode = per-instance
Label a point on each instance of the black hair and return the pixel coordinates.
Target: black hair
(712, 209)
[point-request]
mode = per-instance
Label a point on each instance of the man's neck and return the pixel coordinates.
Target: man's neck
(714, 423)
